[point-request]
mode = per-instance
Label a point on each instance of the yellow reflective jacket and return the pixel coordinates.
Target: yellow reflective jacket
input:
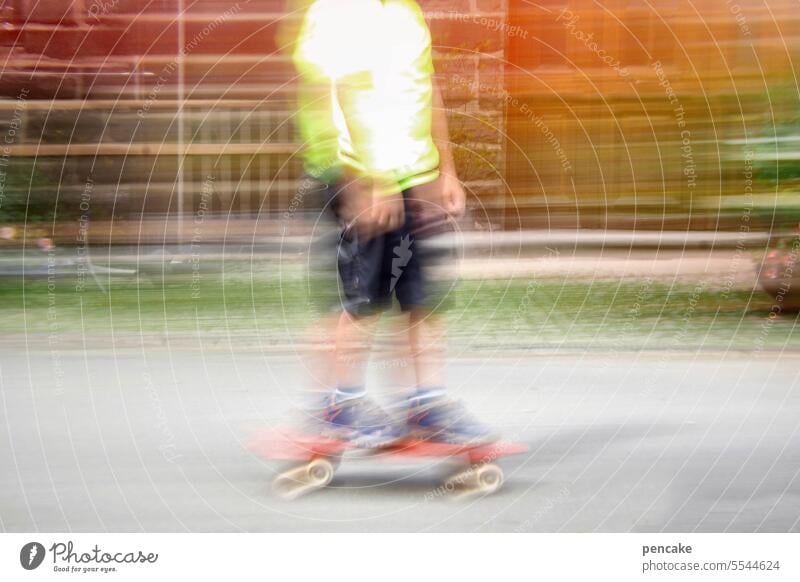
(365, 91)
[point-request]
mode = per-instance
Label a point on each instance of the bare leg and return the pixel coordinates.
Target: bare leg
(353, 340)
(427, 336)
(432, 414)
(320, 357)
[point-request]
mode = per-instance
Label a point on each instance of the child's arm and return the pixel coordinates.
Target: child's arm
(452, 193)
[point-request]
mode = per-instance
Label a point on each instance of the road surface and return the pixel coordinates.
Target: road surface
(156, 440)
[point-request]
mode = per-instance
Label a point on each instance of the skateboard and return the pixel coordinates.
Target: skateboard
(314, 459)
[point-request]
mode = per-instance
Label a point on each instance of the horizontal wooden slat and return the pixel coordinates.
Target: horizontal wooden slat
(132, 104)
(151, 149)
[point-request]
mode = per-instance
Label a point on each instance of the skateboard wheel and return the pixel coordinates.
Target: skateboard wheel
(320, 472)
(483, 480)
(490, 478)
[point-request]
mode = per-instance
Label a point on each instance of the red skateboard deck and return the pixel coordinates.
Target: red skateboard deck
(291, 445)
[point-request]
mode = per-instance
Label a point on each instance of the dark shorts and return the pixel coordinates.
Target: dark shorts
(374, 272)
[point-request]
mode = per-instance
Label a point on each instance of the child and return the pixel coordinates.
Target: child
(375, 134)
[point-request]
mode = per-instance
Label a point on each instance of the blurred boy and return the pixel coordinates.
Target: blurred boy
(375, 135)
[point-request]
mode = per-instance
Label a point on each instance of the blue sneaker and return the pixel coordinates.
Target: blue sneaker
(359, 421)
(447, 421)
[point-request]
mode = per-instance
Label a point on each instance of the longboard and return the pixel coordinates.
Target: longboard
(315, 459)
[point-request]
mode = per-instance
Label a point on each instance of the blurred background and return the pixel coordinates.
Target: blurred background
(596, 142)
(567, 114)
(632, 170)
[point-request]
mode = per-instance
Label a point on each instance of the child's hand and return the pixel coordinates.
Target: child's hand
(367, 210)
(454, 199)
(355, 206)
(388, 212)
(443, 196)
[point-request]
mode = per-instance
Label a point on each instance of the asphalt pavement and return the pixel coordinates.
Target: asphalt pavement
(156, 439)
